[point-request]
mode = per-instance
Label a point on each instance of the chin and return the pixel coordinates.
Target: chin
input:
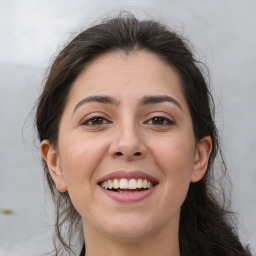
(129, 230)
(129, 235)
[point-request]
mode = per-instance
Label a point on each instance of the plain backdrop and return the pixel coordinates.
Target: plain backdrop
(31, 32)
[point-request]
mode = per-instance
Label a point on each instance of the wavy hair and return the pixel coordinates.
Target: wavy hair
(206, 226)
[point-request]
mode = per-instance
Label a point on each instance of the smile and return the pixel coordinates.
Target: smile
(124, 185)
(127, 187)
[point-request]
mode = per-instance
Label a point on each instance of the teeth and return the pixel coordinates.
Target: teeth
(139, 183)
(126, 192)
(104, 184)
(132, 184)
(110, 184)
(116, 183)
(150, 184)
(144, 183)
(127, 184)
(124, 183)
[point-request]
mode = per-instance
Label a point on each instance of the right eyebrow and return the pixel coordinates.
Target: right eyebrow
(97, 98)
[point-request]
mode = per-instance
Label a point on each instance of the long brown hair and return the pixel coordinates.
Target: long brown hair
(205, 224)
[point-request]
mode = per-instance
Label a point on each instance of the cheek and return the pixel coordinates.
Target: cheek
(175, 158)
(175, 155)
(79, 160)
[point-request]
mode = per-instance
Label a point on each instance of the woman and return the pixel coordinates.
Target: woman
(128, 140)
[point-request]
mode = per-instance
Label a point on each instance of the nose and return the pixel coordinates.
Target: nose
(127, 144)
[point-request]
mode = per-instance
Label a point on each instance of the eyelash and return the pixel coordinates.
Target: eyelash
(166, 121)
(95, 118)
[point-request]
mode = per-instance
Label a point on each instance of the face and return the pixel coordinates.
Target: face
(126, 151)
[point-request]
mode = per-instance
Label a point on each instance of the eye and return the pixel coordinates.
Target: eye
(160, 120)
(96, 121)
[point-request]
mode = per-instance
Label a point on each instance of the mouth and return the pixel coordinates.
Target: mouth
(126, 185)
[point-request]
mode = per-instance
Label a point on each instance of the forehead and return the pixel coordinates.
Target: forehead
(121, 75)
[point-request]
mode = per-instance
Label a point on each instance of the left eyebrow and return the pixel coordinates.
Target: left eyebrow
(146, 100)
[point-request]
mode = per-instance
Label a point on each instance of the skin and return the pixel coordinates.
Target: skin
(127, 138)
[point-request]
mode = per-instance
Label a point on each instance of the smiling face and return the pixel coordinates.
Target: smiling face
(126, 127)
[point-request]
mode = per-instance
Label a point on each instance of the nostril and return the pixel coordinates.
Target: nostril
(128, 156)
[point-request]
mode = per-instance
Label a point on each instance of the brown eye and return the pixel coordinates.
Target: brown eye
(95, 121)
(158, 120)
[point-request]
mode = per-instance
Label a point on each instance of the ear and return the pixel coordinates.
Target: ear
(51, 157)
(202, 153)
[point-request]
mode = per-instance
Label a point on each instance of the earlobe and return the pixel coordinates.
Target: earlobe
(51, 157)
(201, 158)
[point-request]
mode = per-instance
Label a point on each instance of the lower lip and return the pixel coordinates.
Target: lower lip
(129, 197)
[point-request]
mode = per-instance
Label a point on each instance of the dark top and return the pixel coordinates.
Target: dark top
(82, 253)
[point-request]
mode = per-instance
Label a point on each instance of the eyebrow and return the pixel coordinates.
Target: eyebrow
(146, 100)
(97, 98)
(159, 99)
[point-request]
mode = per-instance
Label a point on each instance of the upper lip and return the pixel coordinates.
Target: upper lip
(127, 175)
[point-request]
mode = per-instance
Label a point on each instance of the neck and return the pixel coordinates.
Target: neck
(160, 244)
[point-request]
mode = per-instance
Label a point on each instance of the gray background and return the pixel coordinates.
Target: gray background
(31, 32)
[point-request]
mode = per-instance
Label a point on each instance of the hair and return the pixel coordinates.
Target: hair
(206, 226)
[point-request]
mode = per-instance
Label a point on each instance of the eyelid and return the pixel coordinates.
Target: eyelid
(92, 116)
(169, 121)
(165, 116)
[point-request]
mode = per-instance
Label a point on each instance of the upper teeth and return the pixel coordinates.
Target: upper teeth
(126, 183)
